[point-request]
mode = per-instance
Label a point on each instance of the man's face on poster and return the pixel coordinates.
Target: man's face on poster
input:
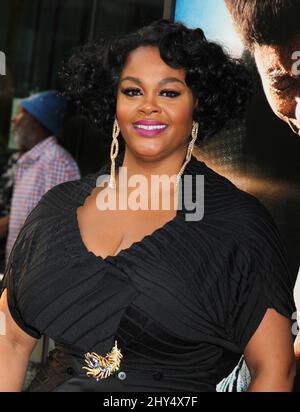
(279, 68)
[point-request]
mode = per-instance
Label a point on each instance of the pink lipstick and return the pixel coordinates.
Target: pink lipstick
(149, 128)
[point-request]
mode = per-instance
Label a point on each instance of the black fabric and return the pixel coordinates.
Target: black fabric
(182, 303)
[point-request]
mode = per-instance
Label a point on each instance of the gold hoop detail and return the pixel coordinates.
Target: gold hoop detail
(114, 150)
(190, 149)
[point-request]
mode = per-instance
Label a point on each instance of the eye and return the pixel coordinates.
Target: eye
(131, 91)
(170, 93)
(283, 84)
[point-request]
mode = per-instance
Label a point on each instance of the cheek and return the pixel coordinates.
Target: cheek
(181, 115)
(22, 123)
(283, 104)
(19, 119)
(123, 112)
(121, 116)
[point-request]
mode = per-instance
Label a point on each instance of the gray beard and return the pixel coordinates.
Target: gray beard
(23, 137)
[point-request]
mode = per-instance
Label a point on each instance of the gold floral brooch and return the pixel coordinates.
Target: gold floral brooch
(101, 367)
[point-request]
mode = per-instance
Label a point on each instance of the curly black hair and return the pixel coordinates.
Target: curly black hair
(221, 84)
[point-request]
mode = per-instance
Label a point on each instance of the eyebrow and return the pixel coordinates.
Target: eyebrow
(163, 81)
(277, 72)
(277, 75)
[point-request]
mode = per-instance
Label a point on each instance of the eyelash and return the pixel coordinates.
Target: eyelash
(280, 89)
(133, 92)
(282, 86)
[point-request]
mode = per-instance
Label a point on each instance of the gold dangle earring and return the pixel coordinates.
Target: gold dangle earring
(190, 149)
(114, 153)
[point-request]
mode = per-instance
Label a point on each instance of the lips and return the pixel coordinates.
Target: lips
(149, 128)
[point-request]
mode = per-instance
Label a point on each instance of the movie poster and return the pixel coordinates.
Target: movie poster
(259, 153)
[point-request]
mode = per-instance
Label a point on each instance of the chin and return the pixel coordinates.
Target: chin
(148, 151)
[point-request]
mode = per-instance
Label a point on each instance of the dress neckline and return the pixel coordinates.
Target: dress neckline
(191, 168)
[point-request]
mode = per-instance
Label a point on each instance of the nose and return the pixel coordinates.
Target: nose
(149, 105)
(17, 118)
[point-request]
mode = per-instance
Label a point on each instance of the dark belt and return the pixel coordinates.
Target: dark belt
(63, 373)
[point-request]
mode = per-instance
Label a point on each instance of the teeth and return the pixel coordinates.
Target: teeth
(156, 127)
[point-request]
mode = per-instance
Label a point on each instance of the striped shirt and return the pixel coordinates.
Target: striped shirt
(46, 165)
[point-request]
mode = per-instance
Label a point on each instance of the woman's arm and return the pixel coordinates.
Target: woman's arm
(297, 347)
(270, 356)
(297, 353)
(15, 349)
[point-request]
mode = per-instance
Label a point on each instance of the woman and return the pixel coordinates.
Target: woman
(150, 300)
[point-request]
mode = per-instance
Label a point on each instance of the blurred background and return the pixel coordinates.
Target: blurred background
(37, 35)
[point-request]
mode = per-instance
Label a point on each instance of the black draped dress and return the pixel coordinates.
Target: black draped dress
(182, 303)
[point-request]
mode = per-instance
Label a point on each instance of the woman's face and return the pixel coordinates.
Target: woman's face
(154, 105)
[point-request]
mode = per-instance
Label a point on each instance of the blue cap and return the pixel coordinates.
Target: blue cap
(48, 108)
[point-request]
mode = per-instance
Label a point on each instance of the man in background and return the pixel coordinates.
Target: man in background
(6, 188)
(45, 163)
